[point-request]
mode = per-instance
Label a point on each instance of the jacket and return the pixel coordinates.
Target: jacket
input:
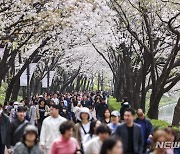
(100, 109)
(20, 148)
(93, 146)
(122, 131)
(16, 131)
(64, 146)
(149, 127)
(4, 128)
(77, 133)
(37, 115)
(50, 131)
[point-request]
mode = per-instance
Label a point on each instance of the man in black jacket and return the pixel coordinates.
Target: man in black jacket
(4, 127)
(146, 126)
(17, 127)
(130, 133)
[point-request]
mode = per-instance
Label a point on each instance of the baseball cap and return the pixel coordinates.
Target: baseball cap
(115, 113)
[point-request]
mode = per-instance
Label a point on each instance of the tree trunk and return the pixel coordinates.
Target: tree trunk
(154, 105)
(15, 91)
(176, 117)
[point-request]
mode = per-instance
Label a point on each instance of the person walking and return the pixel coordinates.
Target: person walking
(107, 117)
(32, 113)
(159, 136)
(83, 127)
(92, 132)
(115, 117)
(29, 143)
(66, 144)
(50, 128)
(146, 126)
(4, 128)
(17, 128)
(42, 111)
(100, 109)
(112, 145)
(94, 145)
(130, 133)
(124, 105)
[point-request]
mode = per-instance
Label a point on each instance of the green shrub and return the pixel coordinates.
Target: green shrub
(113, 104)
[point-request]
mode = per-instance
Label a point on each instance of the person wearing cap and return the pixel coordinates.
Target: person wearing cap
(29, 143)
(50, 128)
(124, 105)
(13, 111)
(115, 117)
(17, 128)
(4, 127)
(83, 127)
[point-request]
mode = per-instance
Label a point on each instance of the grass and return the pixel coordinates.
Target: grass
(113, 104)
(157, 124)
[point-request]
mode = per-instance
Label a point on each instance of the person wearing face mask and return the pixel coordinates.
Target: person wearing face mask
(13, 111)
(4, 127)
(68, 115)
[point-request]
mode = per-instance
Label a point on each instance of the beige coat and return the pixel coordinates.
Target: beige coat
(77, 133)
(37, 115)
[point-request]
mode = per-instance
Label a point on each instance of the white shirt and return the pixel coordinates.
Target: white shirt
(93, 146)
(87, 138)
(56, 100)
(86, 128)
(50, 130)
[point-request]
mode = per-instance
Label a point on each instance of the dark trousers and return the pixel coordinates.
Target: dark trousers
(2, 148)
(39, 125)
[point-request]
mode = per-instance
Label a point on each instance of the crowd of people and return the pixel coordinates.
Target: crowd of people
(78, 123)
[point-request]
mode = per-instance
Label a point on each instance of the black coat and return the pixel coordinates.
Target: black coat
(86, 104)
(100, 109)
(15, 136)
(4, 128)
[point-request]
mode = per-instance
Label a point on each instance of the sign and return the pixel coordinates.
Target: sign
(23, 78)
(45, 79)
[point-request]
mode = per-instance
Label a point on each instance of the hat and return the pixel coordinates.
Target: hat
(21, 109)
(115, 113)
(84, 110)
(30, 128)
(76, 109)
(126, 103)
(16, 103)
(40, 96)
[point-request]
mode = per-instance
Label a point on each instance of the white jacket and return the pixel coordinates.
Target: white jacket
(93, 146)
(50, 131)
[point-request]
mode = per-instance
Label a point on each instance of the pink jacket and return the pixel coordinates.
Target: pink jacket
(64, 146)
